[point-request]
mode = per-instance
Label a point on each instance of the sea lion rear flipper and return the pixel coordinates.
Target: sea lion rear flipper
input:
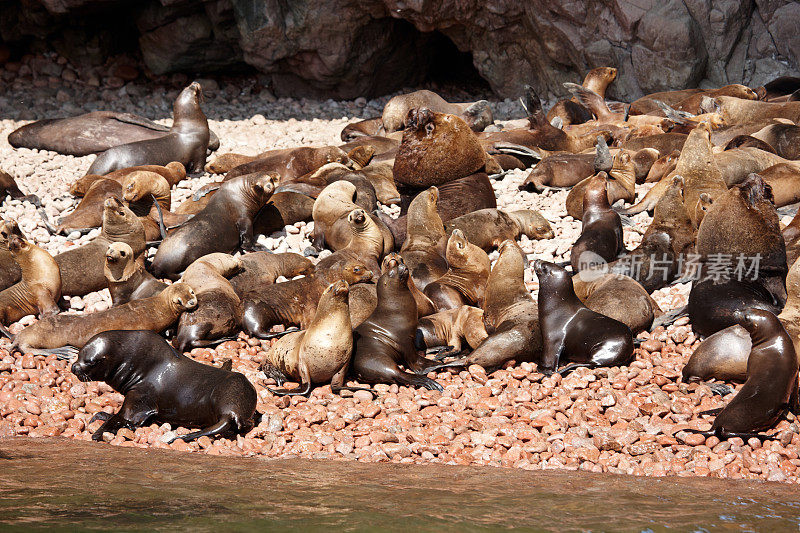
(724, 435)
(224, 425)
(673, 114)
(227, 364)
(569, 368)
(720, 389)
(458, 363)
(161, 227)
(136, 120)
(668, 318)
(305, 385)
(201, 193)
(50, 228)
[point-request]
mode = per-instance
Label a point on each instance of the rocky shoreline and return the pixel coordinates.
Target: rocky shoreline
(626, 420)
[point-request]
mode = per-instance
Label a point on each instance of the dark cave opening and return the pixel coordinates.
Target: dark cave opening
(450, 68)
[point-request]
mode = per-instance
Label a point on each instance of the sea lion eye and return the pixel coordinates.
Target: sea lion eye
(123, 253)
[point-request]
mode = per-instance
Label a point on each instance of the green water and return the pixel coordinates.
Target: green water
(64, 485)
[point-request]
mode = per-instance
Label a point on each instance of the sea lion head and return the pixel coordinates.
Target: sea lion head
(339, 289)
(550, 273)
(457, 245)
(141, 183)
(356, 272)
(178, 169)
(7, 229)
(358, 218)
(115, 212)
(95, 360)
(418, 118)
(596, 192)
(118, 252)
(17, 245)
(181, 296)
(390, 261)
(396, 277)
(119, 262)
(532, 224)
(264, 185)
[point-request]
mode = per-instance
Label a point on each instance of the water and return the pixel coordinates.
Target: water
(65, 485)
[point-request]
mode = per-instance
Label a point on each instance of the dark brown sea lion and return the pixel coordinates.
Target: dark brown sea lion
(449, 327)
(436, 148)
(488, 228)
(217, 314)
(601, 231)
(10, 273)
(294, 302)
(573, 332)
(421, 250)
(386, 338)
(619, 297)
(90, 133)
(161, 385)
(771, 386)
(82, 266)
(477, 115)
(259, 269)
(172, 172)
(510, 315)
(464, 282)
(186, 142)
(156, 313)
(722, 356)
(290, 163)
(784, 138)
(127, 278)
(283, 209)
(8, 187)
(713, 303)
(89, 212)
(319, 354)
(40, 287)
(225, 225)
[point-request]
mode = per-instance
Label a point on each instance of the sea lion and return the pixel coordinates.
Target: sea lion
(263, 268)
(290, 163)
(381, 176)
(294, 302)
(314, 183)
(223, 226)
(559, 170)
(662, 166)
(784, 180)
(161, 385)
(692, 103)
(617, 296)
(363, 128)
(217, 314)
(330, 213)
(80, 267)
(148, 195)
(487, 228)
(156, 313)
(784, 138)
(771, 386)
(621, 185)
(127, 278)
(449, 327)
(573, 112)
(40, 287)
(89, 212)
(386, 338)
(173, 172)
(573, 332)
(424, 304)
(319, 354)
(8, 187)
(747, 141)
(510, 315)
(735, 165)
(10, 273)
(663, 142)
(477, 115)
(739, 111)
(601, 231)
(421, 251)
(464, 282)
(91, 133)
(186, 142)
(283, 209)
(722, 356)
(436, 148)
(225, 162)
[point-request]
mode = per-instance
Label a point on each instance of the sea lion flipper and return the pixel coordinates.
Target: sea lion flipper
(136, 120)
(203, 192)
(569, 368)
(668, 318)
(227, 365)
(224, 425)
(50, 228)
(161, 227)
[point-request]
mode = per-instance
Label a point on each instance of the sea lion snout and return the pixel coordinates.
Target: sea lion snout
(339, 288)
(357, 216)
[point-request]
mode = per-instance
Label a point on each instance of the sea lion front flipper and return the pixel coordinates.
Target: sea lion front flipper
(161, 227)
(272, 372)
(668, 318)
(569, 368)
(136, 120)
(135, 411)
(719, 389)
(319, 238)
(305, 388)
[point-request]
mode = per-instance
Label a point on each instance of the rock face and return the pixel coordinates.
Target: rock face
(349, 48)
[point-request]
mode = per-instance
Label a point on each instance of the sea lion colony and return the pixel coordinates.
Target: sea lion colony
(407, 297)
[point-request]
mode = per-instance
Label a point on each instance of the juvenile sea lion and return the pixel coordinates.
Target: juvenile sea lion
(40, 287)
(386, 338)
(172, 172)
(161, 385)
(148, 195)
(784, 138)
(436, 148)
(771, 386)
(290, 163)
(319, 354)
(559, 170)
(90, 133)
(263, 268)
(424, 304)
(421, 251)
(10, 273)
(464, 282)
(573, 332)
(620, 185)
(127, 278)
(223, 226)
(89, 212)
(619, 297)
(330, 213)
(294, 302)
(218, 306)
(477, 115)
(186, 142)
(488, 228)
(662, 166)
(80, 267)
(722, 356)
(363, 128)
(156, 313)
(449, 327)
(510, 315)
(601, 231)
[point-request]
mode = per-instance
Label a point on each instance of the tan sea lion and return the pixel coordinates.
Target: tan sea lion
(290, 163)
(488, 228)
(82, 266)
(738, 111)
(477, 115)
(89, 212)
(573, 112)
(621, 178)
(156, 313)
(381, 176)
(217, 313)
(424, 304)
(722, 356)
(141, 190)
(259, 269)
(10, 273)
(449, 327)
(464, 283)
(319, 354)
(421, 250)
(127, 278)
(784, 138)
(172, 172)
(619, 297)
(40, 287)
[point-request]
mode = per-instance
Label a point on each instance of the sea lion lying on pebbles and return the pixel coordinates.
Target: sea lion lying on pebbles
(449, 327)
(161, 385)
(172, 172)
(488, 228)
(259, 269)
(127, 278)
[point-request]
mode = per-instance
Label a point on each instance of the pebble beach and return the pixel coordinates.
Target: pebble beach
(622, 420)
